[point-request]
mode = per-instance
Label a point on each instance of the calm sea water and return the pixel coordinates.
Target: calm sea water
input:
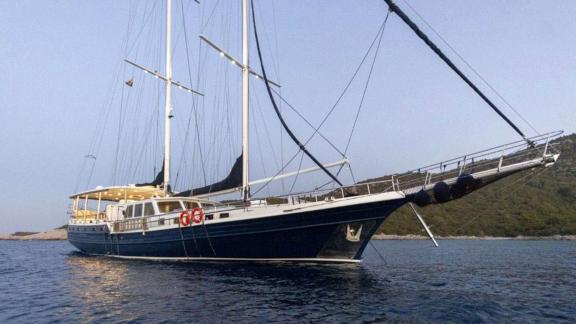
(462, 281)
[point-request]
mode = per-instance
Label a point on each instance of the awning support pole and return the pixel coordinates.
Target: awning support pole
(99, 201)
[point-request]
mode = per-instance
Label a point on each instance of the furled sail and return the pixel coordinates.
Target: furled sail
(394, 8)
(233, 180)
(156, 182)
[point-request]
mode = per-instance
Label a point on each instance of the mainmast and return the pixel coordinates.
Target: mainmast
(168, 108)
(245, 102)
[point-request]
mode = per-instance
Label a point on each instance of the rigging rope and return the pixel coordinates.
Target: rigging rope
(278, 173)
(182, 238)
(378, 252)
(205, 24)
(393, 7)
(145, 20)
(258, 108)
(349, 83)
(132, 145)
(379, 36)
(366, 84)
(297, 174)
(194, 239)
(119, 134)
(194, 107)
(260, 150)
(208, 237)
(292, 136)
(471, 67)
(317, 129)
(308, 123)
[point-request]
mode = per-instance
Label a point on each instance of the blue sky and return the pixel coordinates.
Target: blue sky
(58, 60)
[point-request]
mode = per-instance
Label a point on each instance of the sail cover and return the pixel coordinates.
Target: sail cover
(156, 182)
(233, 180)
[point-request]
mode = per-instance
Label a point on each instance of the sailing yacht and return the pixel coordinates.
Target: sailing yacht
(150, 221)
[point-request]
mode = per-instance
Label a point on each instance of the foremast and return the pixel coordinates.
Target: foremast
(168, 106)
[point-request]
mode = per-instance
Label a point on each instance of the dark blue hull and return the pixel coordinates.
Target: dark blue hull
(320, 234)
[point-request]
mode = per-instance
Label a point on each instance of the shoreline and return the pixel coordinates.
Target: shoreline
(470, 237)
(53, 235)
(61, 234)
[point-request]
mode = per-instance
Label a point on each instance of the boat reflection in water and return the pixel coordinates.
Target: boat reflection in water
(154, 291)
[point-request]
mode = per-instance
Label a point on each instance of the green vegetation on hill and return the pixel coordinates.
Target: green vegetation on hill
(532, 203)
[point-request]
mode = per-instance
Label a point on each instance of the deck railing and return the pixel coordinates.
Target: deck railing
(87, 216)
(493, 158)
(146, 222)
(408, 182)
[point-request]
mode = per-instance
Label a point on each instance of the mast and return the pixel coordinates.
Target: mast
(168, 108)
(245, 103)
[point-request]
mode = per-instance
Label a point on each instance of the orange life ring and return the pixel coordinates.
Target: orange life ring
(185, 218)
(197, 215)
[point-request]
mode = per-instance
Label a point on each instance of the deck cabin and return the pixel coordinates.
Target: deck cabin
(125, 203)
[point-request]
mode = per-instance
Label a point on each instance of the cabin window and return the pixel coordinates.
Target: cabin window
(169, 206)
(191, 204)
(138, 210)
(128, 213)
(208, 205)
(148, 209)
(161, 221)
(224, 215)
(209, 217)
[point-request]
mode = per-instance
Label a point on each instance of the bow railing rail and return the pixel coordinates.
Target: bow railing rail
(494, 158)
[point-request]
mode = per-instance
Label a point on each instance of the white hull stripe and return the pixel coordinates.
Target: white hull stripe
(209, 259)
